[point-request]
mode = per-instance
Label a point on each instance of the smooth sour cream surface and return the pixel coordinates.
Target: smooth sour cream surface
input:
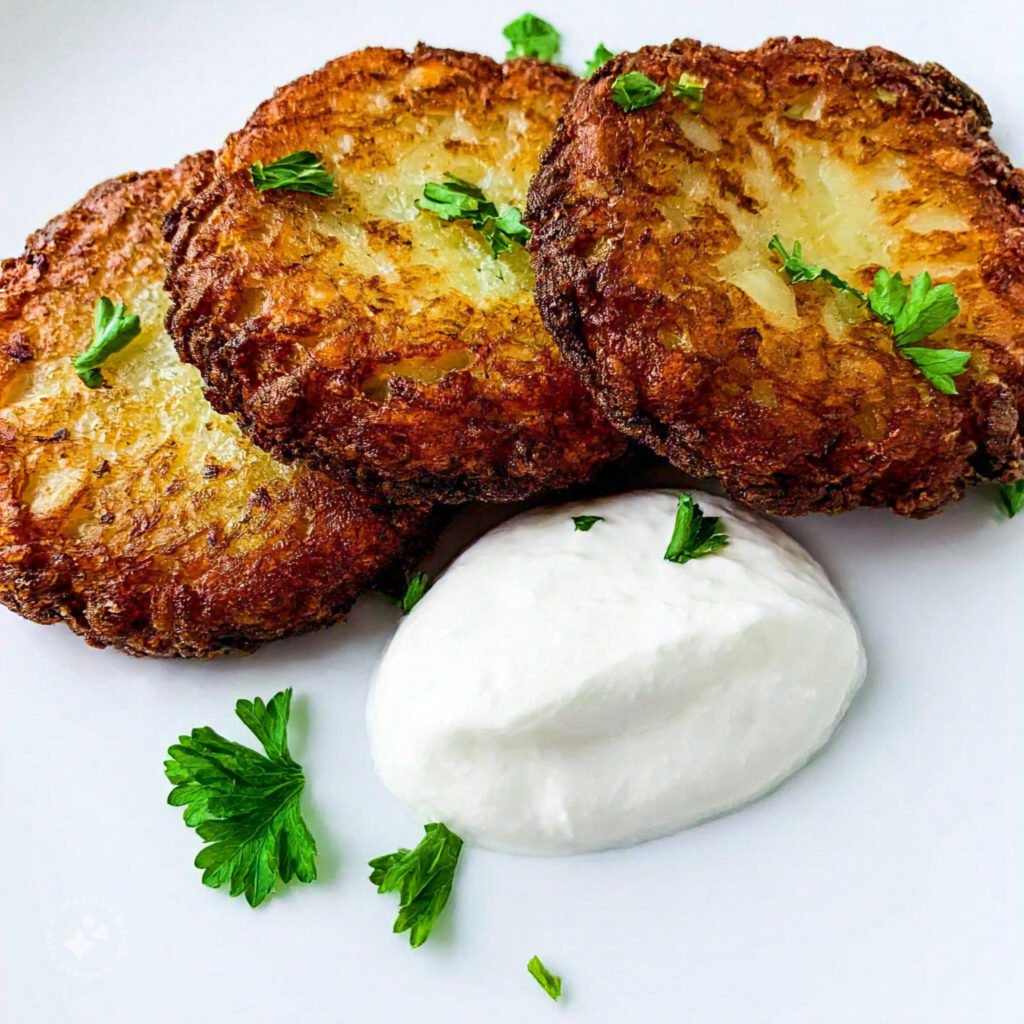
(558, 691)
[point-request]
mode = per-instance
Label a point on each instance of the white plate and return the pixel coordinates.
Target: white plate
(883, 883)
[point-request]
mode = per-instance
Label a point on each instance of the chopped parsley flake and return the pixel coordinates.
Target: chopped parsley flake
(634, 91)
(694, 534)
(300, 171)
(457, 199)
(415, 587)
(551, 983)
(530, 36)
(1012, 497)
(690, 88)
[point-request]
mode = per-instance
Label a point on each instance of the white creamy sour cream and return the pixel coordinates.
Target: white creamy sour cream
(560, 691)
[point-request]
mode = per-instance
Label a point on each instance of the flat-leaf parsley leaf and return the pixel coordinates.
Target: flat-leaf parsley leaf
(244, 804)
(530, 36)
(456, 199)
(551, 983)
(112, 328)
(939, 365)
(634, 91)
(300, 171)
(694, 534)
(913, 312)
(888, 295)
(584, 523)
(422, 878)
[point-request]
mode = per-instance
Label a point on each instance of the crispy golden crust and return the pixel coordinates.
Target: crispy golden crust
(135, 513)
(650, 246)
(367, 337)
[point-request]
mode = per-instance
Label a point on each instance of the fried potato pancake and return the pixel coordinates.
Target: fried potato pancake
(650, 242)
(367, 336)
(134, 512)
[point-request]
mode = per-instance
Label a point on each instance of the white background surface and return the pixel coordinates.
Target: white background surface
(883, 883)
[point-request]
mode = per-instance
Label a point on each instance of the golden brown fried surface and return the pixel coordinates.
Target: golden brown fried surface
(651, 233)
(135, 513)
(362, 334)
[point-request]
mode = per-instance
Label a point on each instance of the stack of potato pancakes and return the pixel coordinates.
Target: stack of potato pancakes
(236, 394)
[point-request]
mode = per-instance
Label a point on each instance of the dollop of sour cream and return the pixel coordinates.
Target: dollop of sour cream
(558, 691)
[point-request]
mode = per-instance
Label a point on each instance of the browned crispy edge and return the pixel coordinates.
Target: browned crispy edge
(558, 280)
(112, 600)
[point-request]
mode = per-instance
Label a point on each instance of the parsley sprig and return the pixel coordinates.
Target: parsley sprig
(530, 36)
(113, 327)
(912, 312)
(422, 878)
(457, 199)
(694, 534)
(244, 804)
(601, 57)
(300, 171)
(551, 983)
(585, 523)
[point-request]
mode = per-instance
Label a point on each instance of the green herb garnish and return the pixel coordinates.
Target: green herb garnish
(457, 199)
(601, 57)
(112, 329)
(939, 365)
(690, 88)
(694, 534)
(584, 523)
(300, 171)
(551, 983)
(912, 312)
(244, 804)
(634, 91)
(530, 36)
(422, 878)
(799, 271)
(1012, 497)
(415, 587)
(505, 230)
